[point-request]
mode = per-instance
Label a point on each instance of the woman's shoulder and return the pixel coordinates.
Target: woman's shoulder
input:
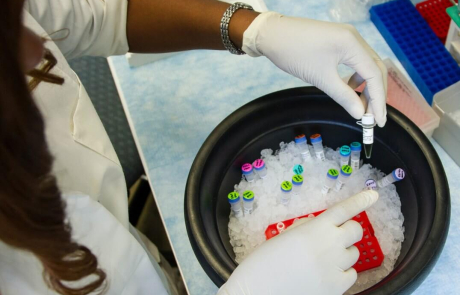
(20, 272)
(128, 267)
(119, 253)
(92, 223)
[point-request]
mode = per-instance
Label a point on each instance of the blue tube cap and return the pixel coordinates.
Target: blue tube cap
(233, 197)
(298, 169)
(286, 186)
(345, 150)
(316, 138)
(332, 173)
(346, 170)
(248, 196)
(297, 179)
(398, 174)
(355, 146)
(258, 164)
(246, 169)
(300, 138)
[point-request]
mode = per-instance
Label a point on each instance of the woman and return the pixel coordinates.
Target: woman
(64, 222)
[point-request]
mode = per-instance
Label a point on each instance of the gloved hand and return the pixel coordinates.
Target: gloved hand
(311, 50)
(313, 258)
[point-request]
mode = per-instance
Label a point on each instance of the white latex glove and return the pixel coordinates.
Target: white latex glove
(313, 258)
(311, 50)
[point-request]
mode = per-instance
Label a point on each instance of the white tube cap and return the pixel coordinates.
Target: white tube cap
(368, 119)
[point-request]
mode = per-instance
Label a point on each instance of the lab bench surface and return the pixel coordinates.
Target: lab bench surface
(173, 104)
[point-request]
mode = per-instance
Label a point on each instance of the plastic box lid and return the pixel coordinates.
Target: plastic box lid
(446, 103)
(448, 100)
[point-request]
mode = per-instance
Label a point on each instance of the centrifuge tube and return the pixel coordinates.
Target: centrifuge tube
(371, 184)
(301, 143)
(286, 189)
(259, 166)
(397, 175)
(248, 202)
(344, 175)
(355, 155)
(248, 172)
(317, 143)
(331, 177)
(297, 181)
(298, 169)
(368, 123)
(344, 155)
(234, 200)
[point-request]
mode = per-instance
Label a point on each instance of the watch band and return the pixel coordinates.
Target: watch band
(224, 27)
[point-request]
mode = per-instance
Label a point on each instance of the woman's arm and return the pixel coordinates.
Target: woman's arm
(307, 49)
(175, 25)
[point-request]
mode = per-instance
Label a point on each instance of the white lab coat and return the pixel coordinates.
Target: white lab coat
(84, 159)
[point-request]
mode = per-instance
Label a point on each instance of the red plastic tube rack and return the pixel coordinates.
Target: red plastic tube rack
(370, 253)
(434, 12)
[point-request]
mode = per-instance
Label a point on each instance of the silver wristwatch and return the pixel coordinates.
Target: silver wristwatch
(224, 27)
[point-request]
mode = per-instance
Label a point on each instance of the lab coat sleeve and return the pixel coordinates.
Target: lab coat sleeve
(96, 27)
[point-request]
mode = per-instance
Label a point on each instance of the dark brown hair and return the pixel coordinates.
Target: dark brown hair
(32, 213)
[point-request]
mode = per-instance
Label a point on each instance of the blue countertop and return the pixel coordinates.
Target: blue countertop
(174, 104)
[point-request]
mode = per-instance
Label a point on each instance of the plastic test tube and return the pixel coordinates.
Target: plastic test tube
(297, 181)
(355, 155)
(344, 155)
(286, 189)
(234, 200)
(317, 143)
(259, 166)
(344, 175)
(397, 175)
(368, 123)
(331, 177)
(248, 172)
(301, 143)
(371, 184)
(248, 202)
(298, 169)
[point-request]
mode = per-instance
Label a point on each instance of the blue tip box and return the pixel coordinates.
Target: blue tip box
(421, 53)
